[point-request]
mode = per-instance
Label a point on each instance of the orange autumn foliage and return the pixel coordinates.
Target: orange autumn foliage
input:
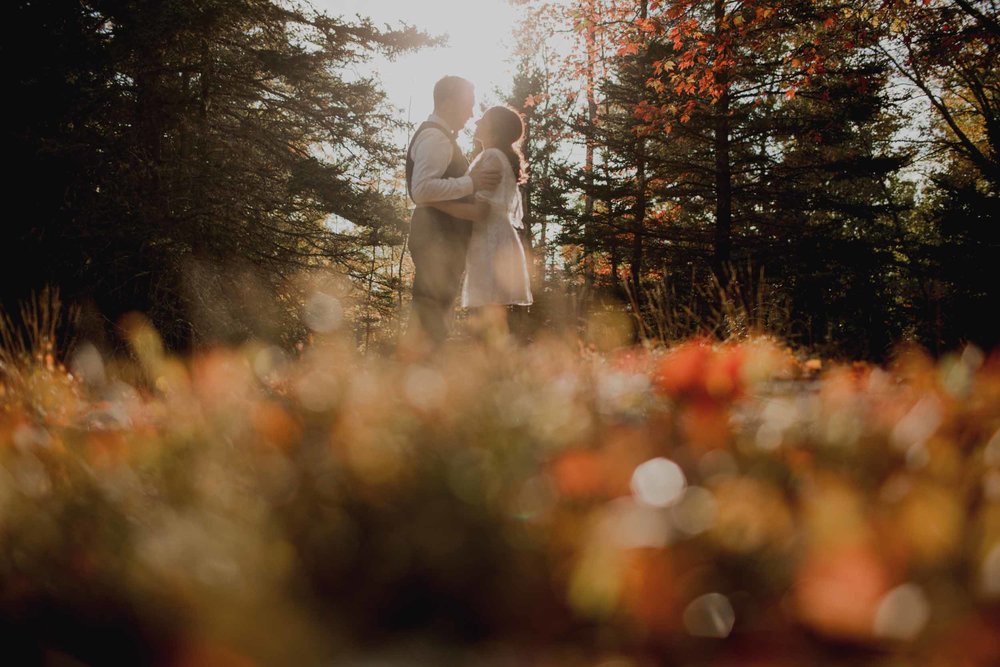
(697, 371)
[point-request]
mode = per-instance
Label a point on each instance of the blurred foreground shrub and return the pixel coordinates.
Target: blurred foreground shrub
(701, 505)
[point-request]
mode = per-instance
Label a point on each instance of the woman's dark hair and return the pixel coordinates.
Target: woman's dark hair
(509, 129)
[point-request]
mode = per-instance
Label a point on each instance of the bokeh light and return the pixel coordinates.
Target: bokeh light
(903, 613)
(658, 482)
(710, 615)
(559, 500)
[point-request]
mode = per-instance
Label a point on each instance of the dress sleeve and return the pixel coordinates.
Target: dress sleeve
(506, 197)
(516, 209)
(498, 196)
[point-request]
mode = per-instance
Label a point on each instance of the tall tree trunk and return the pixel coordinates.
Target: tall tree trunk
(615, 251)
(588, 202)
(723, 171)
(638, 216)
(639, 211)
(149, 128)
(527, 193)
(201, 241)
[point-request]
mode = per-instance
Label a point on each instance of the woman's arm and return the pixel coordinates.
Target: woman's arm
(474, 212)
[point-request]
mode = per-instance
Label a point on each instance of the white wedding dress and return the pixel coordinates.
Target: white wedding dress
(496, 269)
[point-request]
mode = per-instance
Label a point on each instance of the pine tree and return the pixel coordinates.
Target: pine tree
(194, 145)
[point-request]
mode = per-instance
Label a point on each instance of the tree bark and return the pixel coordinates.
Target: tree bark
(588, 202)
(723, 171)
(639, 211)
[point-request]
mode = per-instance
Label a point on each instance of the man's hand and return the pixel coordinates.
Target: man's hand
(484, 179)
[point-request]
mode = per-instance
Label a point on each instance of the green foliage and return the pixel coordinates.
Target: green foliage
(166, 151)
(784, 137)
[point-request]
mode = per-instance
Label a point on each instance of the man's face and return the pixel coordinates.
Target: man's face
(458, 109)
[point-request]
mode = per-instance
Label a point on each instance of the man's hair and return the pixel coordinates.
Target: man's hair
(450, 87)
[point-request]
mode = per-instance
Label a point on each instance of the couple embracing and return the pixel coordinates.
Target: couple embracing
(466, 216)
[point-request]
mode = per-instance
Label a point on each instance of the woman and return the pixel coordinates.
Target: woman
(496, 268)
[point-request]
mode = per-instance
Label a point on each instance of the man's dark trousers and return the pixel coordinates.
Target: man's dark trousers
(438, 243)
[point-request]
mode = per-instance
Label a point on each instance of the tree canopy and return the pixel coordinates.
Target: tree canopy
(182, 157)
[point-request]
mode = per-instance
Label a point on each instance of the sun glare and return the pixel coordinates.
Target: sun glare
(479, 48)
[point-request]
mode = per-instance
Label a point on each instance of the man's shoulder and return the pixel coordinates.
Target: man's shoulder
(438, 126)
(429, 131)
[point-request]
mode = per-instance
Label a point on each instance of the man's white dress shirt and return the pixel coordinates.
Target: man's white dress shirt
(432, 153)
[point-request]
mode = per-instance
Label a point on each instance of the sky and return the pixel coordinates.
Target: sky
(480, 39)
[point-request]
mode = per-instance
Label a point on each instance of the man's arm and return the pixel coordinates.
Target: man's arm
(474, 212)
(431, 155)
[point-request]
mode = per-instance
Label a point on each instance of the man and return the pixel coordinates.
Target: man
(436, 171)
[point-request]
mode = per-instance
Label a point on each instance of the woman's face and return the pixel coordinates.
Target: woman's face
(484, 132)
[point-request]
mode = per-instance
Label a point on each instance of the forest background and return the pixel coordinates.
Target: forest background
(827, 171)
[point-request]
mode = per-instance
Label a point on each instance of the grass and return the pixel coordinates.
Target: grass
(739, 305)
